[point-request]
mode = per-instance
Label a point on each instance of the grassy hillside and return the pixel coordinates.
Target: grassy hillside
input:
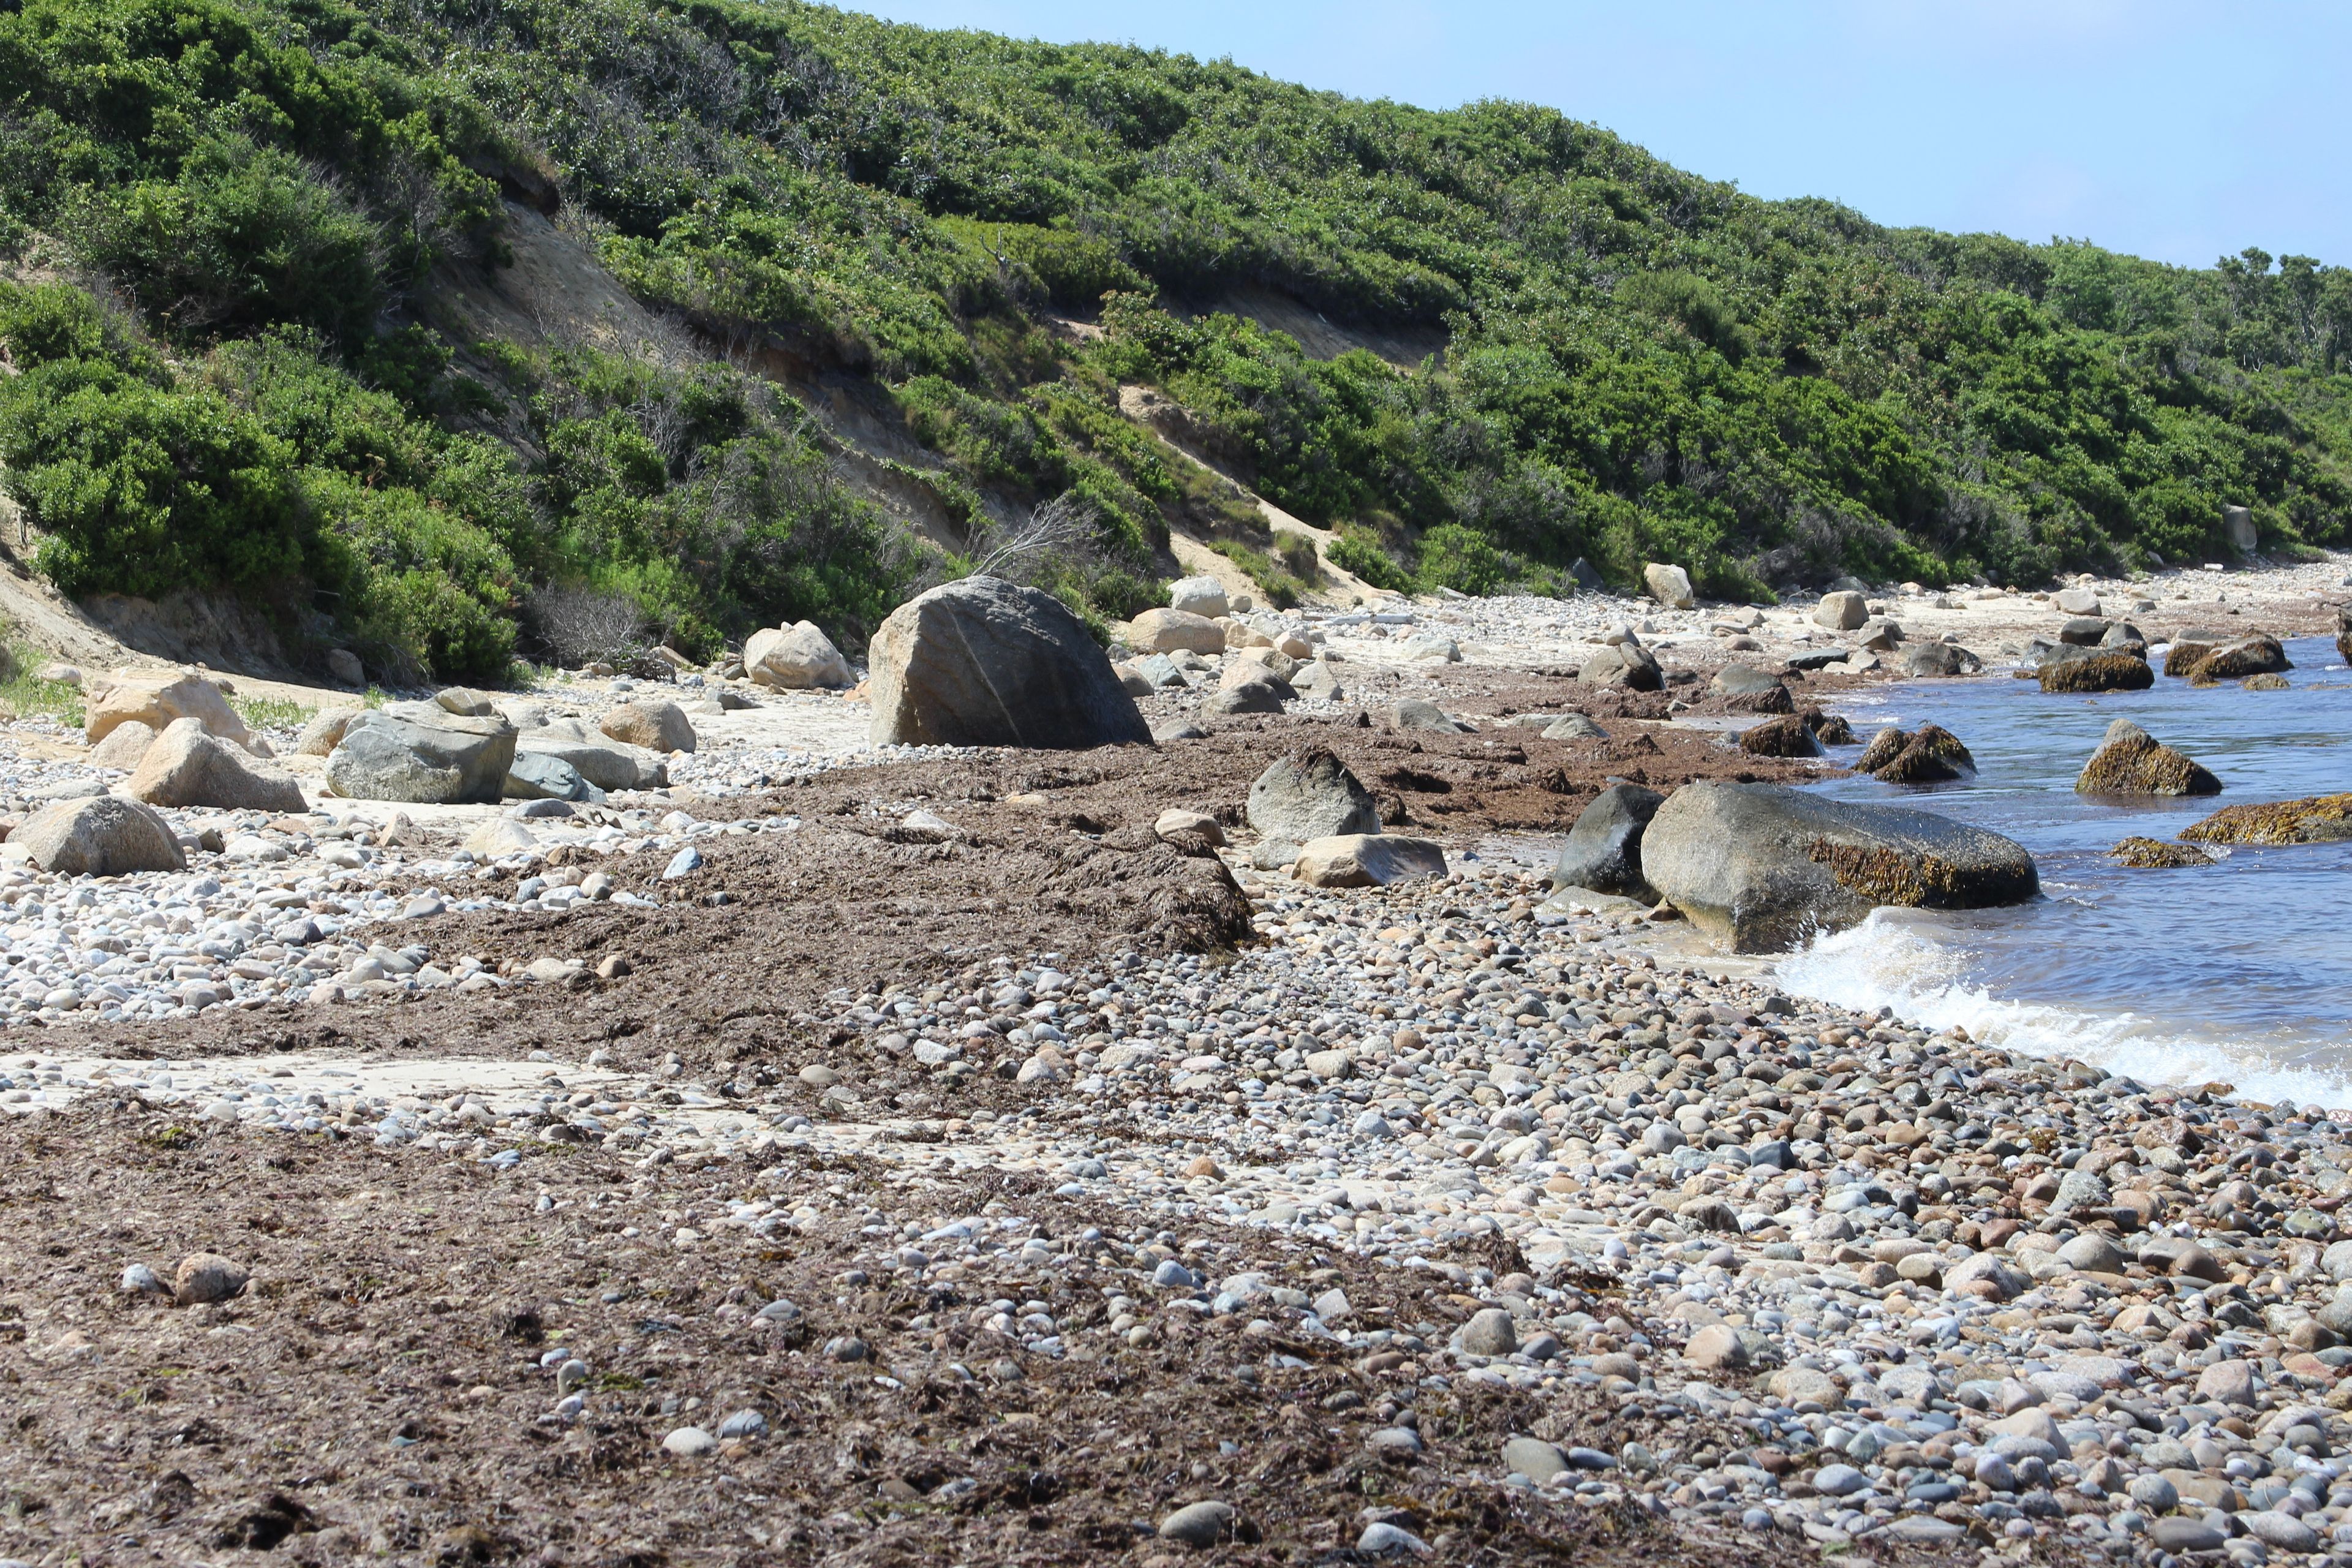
(228, 220)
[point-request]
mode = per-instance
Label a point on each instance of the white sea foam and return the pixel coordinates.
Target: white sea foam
(1899, 959)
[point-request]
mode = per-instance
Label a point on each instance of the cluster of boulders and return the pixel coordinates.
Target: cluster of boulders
(1314, 817)
(1930, 754)
(1259, 662)
(464, 747)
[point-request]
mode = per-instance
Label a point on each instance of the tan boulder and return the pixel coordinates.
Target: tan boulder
(184, 766)
(656, 725)
(324, 731)
(1367, 861)
(123, 746)
(156, 697)
(1166, 631)
(794, 658)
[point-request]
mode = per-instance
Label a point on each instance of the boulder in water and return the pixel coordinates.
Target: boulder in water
(1310, 795)
(2155, 854)
(1930, 660)
(2131, 761)
(1786, 736)
(1603, 851)
(981, 662)
(2344, 635)
(2099, 672)
(2316, 819)
(1829, 729)
(1931, 755)
(1766, 867)
(2257, 655)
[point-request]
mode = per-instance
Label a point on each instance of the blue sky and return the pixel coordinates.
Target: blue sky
(2169, 130)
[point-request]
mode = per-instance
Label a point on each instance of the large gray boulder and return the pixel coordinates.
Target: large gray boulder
(1765, 867)
(1603, 851)
(1310, 795)
(535, 775)
(100, 836)
(184, 766)
(420, 752)
(607, 764)
(981, 662)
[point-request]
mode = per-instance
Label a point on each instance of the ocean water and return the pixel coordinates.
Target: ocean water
(2240, 972)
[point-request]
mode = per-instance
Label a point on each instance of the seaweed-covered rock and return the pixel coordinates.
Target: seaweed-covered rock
(1829, 729)
(2316, 819)
(2186, 654)
(2257, 655)
(1786, 736)
(2129, 761)
(2265, 683)
(2155, 854)
(2344, 635)
(1767, 867)
(1884, 748)
(2100, 672)
(1603, 851)
(1931, 755)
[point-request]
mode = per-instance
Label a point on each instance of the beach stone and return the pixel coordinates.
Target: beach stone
(1716, 1347)
(1923, 1530)
(2079, 1189)
(100, 836)
(656, 725)
(797, 657)
(1203, 596)
(1414, 713)
(1603, 851)
(2033, 1423)
(2177, 1255)
(1533, 1457)
(1843, 610)
(421, 754)
(2284, 1530)
(1765, 866)
(980, 662)
(1574, 727)
(1670, 586)
(2077, 601)
(1198, 1523)
(1382, 1538)
(1625, 663)
(1167, 631)
(2001, 1281)
(1176, 819)
(2092, 1254)
(1488, 1333)
(203, 1278)
(155, 699)
(743, 1425)
(504, 837)
(689, 1442)
(1839, 1480)
(1367, 861)
(2181, 1532)
(1799, 1384)
(186, 767)
(2153, 1492)
(1429, 649)
(1308, 795)
(2130, 761)
(123, 746)
(2229, 1382)
(323, 730)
